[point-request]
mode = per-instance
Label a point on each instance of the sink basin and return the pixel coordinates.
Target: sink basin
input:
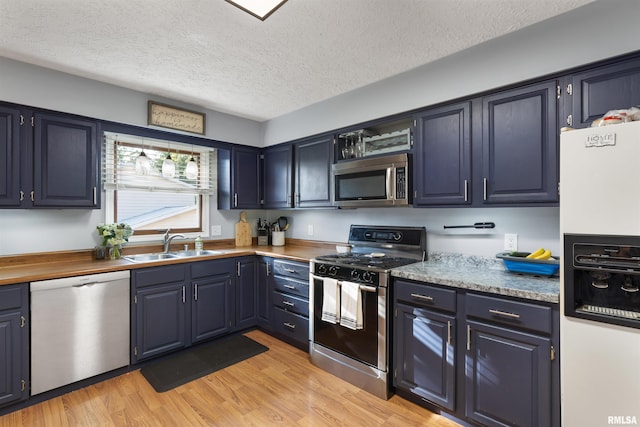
(149, 257)
(192, 253)
(169, 255)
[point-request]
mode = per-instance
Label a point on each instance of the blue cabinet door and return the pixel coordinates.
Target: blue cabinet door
(245, 172)
(160, 320)
(65, 162)
(442, 172)
(313, 161)
(211, 311)
(520, 146)
(263, 292)
(508, 376)
(277, 177)
(425, 356)
(598, 90)
(14, 339)
(10, 119)
(245, 293)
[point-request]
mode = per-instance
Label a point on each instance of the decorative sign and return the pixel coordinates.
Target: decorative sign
(597, 140)
(170, 117)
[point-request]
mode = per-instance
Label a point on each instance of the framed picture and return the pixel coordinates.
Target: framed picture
(167, 116)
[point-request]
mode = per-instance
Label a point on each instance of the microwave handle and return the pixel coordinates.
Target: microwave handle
(391, 183)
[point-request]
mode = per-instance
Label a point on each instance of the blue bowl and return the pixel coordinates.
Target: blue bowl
(536, 267)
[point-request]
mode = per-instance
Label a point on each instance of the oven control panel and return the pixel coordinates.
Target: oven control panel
(338, 272)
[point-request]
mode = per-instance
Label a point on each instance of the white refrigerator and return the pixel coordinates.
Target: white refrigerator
(599, 195)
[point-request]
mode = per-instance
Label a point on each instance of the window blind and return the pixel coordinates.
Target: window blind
(119, 172)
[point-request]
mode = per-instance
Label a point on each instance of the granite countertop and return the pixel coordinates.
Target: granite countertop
(482, 274)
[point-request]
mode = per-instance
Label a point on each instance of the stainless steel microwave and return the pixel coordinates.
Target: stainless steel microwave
(378, 181)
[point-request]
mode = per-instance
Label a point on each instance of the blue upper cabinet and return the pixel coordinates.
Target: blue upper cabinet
(442, 159)
(246, 178)
(313, 159)
(277, 174)
(65, 160)
(594, 92)
(47, 160)
(519, 146)
(9, 156)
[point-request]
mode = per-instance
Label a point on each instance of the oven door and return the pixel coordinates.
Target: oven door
(367, 345)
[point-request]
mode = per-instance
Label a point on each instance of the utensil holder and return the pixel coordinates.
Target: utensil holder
(277, 238)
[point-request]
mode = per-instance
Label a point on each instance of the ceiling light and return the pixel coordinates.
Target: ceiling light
(143, 164)
(168, 167)
(261, 9)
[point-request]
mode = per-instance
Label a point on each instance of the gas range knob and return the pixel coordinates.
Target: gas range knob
(333, 270)
(366, 276)
(355, 275)
(322, 269)
(396, 236)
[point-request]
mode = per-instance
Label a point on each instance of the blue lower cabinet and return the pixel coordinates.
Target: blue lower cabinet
(14, 336)
(508, 376)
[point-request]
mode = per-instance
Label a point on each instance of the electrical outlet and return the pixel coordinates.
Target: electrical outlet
(216, 230)
(510, 242)
(310, 230)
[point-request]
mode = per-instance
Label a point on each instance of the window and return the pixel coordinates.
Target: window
(153, 202)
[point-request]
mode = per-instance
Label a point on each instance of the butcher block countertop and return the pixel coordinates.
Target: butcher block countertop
(55, 265)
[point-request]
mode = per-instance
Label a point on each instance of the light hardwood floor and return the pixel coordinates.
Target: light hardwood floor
(278, 387)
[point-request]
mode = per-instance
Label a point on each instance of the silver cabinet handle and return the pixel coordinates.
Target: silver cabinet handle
(289, 270)
(468, 338)
(235, 200)
(21, 195)
(183, 295)
(289, 303)
(268, 270)
(504, 313)
(289, 286)
(484, 188)
(33, 196)
(238, 268)
(448, 332)
(195, 292)
(95, 196)
(289, 325)
(466, 190)
(422, 297)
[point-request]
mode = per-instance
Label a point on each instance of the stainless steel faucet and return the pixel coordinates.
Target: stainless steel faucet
(166, 239)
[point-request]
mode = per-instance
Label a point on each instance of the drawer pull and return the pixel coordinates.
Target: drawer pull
(505, 313)
(289, 270)
(289, 303)
(289, 325)
(289, 287)
(422, 297)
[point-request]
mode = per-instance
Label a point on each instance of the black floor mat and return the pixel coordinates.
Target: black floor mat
(190, 364)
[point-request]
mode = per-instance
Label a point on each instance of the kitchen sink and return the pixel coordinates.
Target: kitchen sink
(191, 253)
(169, 255)
(149, 257)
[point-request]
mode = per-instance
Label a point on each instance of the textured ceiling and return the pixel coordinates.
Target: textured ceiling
(211, 54)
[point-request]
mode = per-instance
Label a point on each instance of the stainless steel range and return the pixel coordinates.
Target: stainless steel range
(350, 304)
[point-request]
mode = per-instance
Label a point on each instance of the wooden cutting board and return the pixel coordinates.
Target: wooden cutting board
(243, 231)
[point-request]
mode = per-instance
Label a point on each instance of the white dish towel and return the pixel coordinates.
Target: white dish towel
(351, 306)
(330, 300)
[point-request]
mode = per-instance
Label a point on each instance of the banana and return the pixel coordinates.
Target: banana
(536, 253)
(545, 255)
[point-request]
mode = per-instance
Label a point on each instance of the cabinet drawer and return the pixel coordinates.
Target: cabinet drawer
(211, 267)
(424, 295)
(290, 286)
(292, 303)
(514, 313)
(159, 275)
(291, 325)
(291, 269)
(11, 296)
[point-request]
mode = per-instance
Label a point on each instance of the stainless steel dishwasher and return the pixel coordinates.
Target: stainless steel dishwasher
(79, 328)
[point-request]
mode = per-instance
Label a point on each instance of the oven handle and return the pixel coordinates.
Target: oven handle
(362, 287)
